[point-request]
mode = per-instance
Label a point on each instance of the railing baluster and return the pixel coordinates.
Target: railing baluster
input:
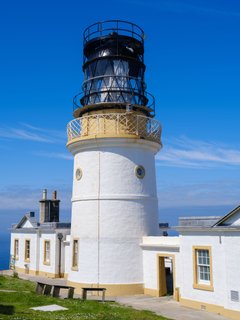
(117, 127)
(137, 126)
(98, 128)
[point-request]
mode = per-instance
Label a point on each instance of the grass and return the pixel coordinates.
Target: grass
(16, 306)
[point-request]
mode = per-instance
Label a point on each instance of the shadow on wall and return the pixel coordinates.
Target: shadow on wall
(6, 309)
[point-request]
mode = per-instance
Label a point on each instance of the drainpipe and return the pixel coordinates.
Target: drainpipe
(60, 237)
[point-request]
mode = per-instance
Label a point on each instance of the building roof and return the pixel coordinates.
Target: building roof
(207, 221)
(232, 218)
(29, 223)
(231, 221)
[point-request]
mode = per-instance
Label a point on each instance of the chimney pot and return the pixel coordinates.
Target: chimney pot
(54, 195)
(44, 194)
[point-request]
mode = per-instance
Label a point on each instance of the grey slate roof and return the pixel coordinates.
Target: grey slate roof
(30, 217)
(39, 226)
(208, 221)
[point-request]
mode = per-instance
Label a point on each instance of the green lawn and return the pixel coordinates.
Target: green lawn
(16, 305)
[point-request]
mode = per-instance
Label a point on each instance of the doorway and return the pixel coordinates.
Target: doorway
(166, 272)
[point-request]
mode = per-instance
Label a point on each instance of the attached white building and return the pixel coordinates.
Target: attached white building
(210, 260)
(204, 264)
(38, 248)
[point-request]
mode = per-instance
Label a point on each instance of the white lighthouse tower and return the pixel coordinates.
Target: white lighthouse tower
(113, 138)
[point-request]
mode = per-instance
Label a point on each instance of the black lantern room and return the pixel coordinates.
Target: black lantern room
(114, 69)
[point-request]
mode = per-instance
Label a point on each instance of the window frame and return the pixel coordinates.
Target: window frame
(16, 249)
(45, 261)
(27, 251)
(75, 255)
(199, 283)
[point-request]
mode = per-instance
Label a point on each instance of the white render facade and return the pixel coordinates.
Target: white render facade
(36, 248)
(218, 289)
(221, 294)
(112, 209)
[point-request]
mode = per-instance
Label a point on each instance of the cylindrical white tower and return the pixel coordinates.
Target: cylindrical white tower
(114, 139)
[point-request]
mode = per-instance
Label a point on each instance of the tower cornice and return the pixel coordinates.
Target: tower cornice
(79, 145)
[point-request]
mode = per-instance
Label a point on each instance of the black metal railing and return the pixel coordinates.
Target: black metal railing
(116, 96)
(107, 27)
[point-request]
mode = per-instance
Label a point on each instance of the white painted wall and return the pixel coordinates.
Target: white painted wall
(231, 244)
(52, 267)
(37, 239)
(21, 263)
(112, 209)
(152, 247)
(27, 224)
(67, 254)
(225, 267)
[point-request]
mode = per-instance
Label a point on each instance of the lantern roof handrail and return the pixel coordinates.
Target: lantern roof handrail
(119, 27)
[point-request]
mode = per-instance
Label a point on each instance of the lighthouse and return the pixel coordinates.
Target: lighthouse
(113, 139)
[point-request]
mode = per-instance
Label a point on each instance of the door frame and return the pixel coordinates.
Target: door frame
(172, 256)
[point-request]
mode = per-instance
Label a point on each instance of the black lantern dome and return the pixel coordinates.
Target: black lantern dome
(114, 69)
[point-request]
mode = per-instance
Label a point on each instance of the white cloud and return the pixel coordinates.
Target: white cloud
(215, 193)
(52, 132)
(27, 199)
(184, 152)
(57, 155)
(32, 133)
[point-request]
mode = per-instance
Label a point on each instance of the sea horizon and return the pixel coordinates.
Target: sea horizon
(5, 251)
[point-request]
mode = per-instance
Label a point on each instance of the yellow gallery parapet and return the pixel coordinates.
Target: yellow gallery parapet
(119, 125)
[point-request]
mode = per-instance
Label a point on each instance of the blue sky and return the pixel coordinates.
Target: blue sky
(193, 70)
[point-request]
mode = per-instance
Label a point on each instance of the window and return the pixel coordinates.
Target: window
(27, 250)
(139, 172)
(202, 268)
(78, 174)
(46, 259)
(16, 249)
(75, 255)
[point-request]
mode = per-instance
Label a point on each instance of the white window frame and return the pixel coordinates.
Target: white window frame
(203, 266)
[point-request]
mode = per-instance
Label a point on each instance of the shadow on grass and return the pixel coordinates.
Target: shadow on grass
(6, 309)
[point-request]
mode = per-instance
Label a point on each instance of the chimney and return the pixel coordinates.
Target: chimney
(54, 208)
(44, 207)
(49, 209)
